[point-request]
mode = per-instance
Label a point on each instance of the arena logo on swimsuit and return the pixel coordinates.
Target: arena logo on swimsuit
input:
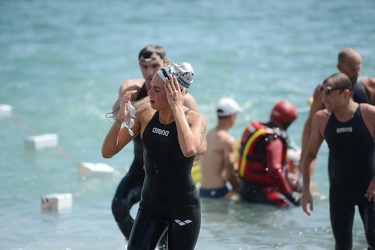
(344, 130)
(160, 131)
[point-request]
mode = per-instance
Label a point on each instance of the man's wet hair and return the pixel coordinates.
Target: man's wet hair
(147, 51)
(341, 80)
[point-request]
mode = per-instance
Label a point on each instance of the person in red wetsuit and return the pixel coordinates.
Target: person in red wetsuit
(263, 163)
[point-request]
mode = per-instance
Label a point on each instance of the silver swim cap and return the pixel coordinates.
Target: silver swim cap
(183, 71)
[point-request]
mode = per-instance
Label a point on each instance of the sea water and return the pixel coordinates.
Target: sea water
(62, 63)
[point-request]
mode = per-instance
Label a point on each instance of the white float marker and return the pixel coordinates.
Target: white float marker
(57, 202)
(38, 142)
(98, 170)
(5, 111)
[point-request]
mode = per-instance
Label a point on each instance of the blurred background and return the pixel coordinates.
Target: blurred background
(61, 66)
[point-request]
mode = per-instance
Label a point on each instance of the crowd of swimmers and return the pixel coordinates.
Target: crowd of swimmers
(169, 134)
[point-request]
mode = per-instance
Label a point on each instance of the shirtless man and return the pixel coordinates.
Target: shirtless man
(349, 63)
(349, 130)
(217, 164)
(151, 58)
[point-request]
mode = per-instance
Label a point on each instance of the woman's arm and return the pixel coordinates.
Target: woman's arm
(191, 128)
(191, 131)
(117, 137)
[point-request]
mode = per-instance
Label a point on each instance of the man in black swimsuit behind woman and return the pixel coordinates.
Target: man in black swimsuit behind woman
(151, 58)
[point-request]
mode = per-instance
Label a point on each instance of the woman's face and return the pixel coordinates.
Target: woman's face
(151, 66)
(158, 96)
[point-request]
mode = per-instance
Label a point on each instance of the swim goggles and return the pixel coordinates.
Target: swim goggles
(151, 59)
(328, 90)
(128, 123)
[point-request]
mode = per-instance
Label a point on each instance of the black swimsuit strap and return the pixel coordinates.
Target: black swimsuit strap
(360, 94)
(142, 93)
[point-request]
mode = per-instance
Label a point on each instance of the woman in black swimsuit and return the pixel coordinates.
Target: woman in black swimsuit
(172, 135)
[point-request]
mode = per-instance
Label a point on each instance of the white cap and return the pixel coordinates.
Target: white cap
(183, 71)
(227, 107)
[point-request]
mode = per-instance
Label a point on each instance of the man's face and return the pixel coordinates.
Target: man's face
(351, 67)
(151, 65)
(332, 97)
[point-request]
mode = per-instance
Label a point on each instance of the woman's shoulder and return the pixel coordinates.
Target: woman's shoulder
(191, 112)
(195, 116)
(144, 107)
(145, 111)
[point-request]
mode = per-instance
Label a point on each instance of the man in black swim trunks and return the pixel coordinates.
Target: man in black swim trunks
(151, 58)
(349, 130)
(349, 63)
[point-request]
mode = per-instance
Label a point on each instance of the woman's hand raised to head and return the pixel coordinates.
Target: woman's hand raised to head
(174, 94)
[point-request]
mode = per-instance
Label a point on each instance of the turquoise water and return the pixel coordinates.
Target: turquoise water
(61, 65)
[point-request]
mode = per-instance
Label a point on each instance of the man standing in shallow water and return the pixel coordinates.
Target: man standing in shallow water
(349, 130)
(218, 163)
(349, 63)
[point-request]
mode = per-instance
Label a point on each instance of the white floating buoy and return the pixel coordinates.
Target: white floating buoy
(5, 110)
(57, 201)
(101, 170)
(38, 142)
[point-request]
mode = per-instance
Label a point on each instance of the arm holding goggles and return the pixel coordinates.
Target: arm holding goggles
(124, 118)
